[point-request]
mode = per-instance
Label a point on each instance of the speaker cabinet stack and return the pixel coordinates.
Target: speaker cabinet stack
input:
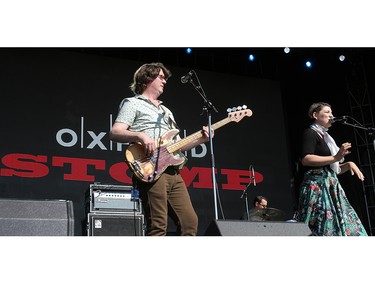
(114, 210)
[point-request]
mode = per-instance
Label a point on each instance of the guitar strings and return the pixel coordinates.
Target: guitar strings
(146, 159)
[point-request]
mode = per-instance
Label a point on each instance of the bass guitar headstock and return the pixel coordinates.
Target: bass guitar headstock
(236, 114)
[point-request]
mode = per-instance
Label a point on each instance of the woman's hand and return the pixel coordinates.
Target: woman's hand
(344, 150)
(353, 168)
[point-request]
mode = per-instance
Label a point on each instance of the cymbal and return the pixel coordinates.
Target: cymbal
(267, 214)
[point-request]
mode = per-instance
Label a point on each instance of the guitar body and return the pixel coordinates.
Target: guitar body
(149, 168)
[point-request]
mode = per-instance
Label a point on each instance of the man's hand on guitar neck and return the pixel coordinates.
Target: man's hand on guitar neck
(206, 134)
(205, 138)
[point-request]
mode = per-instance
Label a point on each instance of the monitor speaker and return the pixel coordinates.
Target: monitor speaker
(251, 228)
(19, 217)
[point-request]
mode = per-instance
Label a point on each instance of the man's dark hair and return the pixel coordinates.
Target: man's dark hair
(259, 199)
(146, 74)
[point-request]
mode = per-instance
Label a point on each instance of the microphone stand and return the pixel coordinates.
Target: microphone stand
(244, 193)
(208, 107)
(371, 132)
(359, 126)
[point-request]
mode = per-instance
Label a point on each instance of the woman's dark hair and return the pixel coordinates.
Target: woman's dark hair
(316, 107)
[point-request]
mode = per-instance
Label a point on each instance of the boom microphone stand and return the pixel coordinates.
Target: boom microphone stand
(371, 131)
(207, 107)
(344, 120)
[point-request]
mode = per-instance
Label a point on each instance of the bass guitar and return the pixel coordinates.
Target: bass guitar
(150, 168)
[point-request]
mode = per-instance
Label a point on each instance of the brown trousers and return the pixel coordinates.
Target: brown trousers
(168, 196)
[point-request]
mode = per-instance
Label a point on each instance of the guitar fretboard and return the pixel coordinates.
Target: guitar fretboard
(237, 116)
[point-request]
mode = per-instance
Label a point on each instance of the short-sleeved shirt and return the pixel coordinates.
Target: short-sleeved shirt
(141, 115)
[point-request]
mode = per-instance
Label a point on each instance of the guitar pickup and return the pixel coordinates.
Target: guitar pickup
(136, 168)
(136, 165)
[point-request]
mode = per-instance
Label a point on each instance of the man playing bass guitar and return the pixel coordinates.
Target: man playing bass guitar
(145, 123)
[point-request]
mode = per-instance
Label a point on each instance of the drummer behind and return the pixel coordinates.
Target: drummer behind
(260, 202)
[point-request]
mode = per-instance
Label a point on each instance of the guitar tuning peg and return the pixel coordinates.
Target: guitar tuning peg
(239, 108)
(244, 106)
(234, 109)
(229, 110)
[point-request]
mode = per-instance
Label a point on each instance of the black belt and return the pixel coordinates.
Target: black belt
(172, 170)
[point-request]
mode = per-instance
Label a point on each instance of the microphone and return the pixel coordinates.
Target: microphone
(339, 119)
(253, 175)
(187, 77)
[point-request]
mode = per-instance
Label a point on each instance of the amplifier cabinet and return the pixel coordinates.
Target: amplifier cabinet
(114, 198)
(116, 224)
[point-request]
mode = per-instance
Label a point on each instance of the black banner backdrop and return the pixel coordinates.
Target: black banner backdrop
(58, 106)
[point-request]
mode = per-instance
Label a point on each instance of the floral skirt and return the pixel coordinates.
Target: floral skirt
(324, 207)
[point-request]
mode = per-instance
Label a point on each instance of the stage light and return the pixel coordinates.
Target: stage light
(286, 50)
(251, 57)
(341, 57)
(188, 51)
(308, 64)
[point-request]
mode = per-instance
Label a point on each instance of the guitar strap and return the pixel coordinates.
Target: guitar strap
(168, 119)
(173, 125)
